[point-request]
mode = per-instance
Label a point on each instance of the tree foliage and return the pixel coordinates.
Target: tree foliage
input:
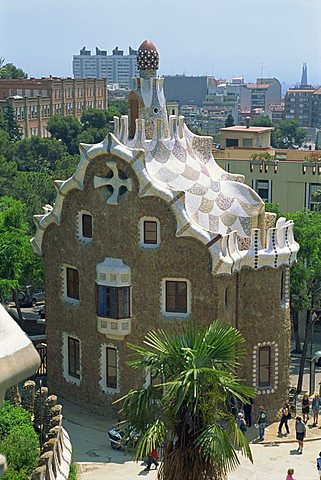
(229, 122)
(15, 249)
(188, 404)
(306, 272)
(9, 70)
(287, 134)
(8, 122)
(18, 442)
(65, 129)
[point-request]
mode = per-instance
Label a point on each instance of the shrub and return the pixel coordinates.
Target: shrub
(10, 417)
(18, 442)
(73, 471)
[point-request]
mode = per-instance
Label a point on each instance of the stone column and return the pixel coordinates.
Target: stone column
(13, 395)
(39, 409)
(28, 396)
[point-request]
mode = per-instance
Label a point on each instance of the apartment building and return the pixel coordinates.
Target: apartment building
(116, 68)
(298, 103)
(36, 100)
(289, 178)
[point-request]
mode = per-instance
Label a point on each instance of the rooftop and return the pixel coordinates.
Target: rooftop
(242, 128)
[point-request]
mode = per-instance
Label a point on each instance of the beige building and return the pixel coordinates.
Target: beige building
(287, 177)
(36, 100)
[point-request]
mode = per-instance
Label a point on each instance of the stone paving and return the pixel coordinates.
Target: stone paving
(98, 461)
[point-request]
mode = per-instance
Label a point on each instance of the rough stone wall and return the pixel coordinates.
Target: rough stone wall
(116, 234)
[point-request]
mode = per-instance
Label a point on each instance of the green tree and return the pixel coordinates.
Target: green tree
(121, 105)
(38, 154)
(65, 129)
(189, 404)
(18, 441)
(261, 121)
(15, 248)
(288, 135)
(34, 189)
(229, 122)
(9, 70)
(94, 118)
(8, 122)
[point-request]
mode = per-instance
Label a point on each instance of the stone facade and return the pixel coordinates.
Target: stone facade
(213, 236)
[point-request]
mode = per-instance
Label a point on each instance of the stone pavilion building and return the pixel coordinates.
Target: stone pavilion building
(148, 233)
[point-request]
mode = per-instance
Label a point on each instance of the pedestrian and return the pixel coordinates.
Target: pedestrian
(248, 412)
(290, 474)
(284, 419)
(305, 407)
(315, 408)
(241, 423)
(319, 464)
(300, 430)
(152, 458)
(261, 422)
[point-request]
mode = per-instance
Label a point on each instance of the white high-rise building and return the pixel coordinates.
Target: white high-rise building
(116, 68)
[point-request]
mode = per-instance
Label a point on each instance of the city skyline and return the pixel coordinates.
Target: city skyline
(244, 37)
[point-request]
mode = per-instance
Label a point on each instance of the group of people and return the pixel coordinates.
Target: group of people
(300, 422)
(244, 419)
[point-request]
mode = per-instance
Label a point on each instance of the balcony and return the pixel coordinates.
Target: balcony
(116, 329)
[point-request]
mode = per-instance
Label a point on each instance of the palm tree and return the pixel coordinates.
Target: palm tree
(187, 406)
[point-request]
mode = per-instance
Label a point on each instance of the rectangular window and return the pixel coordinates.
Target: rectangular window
(176, 296)
(73, 357)
(72, 283)
(314, 197)
(87, 226)
(111, 367)
(264, 366)
(150, 232)
(232, 142)
(113, 302)
(264, 189)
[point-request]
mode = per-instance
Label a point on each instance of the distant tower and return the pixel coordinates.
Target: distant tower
(304, 77)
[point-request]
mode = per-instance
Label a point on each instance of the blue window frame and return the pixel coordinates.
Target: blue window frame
(113, 302)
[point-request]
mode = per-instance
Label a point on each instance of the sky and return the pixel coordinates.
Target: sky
(223, 38)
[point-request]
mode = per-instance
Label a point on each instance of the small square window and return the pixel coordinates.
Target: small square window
(72, 281)
(87, 226)
(176, 296)
(150, 232)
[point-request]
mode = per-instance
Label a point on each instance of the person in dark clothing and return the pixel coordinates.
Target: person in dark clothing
(284, 419)
(247, 407)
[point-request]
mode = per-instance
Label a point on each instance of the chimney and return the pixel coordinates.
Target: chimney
(247, 122)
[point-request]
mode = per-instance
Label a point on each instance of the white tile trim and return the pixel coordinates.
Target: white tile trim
(63, 275)
(65, 366)
(274, 368)
(79, 233)
(177, 315)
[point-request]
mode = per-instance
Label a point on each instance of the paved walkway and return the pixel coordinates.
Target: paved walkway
(98, 461)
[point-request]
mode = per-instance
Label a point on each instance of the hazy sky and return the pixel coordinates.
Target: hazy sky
(222, 38)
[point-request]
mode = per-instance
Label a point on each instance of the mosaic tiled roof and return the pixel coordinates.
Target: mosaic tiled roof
(171, 162)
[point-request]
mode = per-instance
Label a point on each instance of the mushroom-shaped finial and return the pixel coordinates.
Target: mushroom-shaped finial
(147, 56)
